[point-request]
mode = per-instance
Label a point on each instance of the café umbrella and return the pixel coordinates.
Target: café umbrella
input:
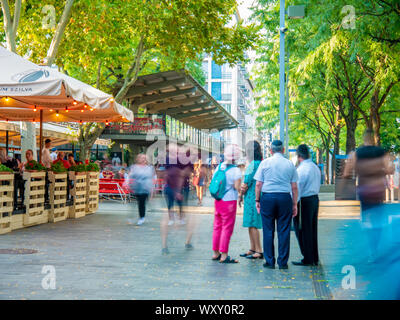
(29, 92)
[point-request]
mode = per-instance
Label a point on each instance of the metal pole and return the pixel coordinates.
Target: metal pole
(287, 109)
(282, 73)
(40, 135)
(7, 142)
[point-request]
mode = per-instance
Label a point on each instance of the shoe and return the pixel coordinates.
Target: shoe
(182, 222)
(301, 263)
(140, 222)
(164, 251)
(248, 253)
(170, 222)
(269, 266)
(283, 267)
(189, 246)
(252, 257)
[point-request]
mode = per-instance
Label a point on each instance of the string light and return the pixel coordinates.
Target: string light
(85, 106)
(34, 110)
(91, 109)
(51, 110)
(57, 114)
(74, 103)
(107, 123)
(82, 110)
(66, 109)
(7, 99)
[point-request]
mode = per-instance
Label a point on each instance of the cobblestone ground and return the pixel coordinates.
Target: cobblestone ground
(101, 256)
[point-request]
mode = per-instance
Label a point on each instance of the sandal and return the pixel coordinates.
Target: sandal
(248, 253)
(229, 260)
(252, 257)
(216, 258)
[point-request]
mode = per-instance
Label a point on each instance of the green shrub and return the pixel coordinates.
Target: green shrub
(91, 166)
(58, 167)
(78, 168)
(34, 165)
(3, 168)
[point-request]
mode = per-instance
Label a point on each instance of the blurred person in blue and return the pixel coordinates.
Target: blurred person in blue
(371, 164)
(140, 182)
(276, 201)
(306, 221)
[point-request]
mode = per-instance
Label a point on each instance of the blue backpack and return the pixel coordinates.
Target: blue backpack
(218, 183)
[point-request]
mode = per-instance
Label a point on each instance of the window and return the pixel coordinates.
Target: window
(227, 106)
(205, 68)
(226, 72)
(226, 90)
(216, 90)
(215, 71)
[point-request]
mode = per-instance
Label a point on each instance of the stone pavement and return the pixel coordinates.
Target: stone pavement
(101, 256)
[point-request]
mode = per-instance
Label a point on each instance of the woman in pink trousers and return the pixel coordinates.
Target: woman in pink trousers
(225, 209)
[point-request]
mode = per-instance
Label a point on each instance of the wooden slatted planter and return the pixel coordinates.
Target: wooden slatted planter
(6, 201)
(35, 183)
(78, 209)
(92, 192)
(17, 222)
(58, 197)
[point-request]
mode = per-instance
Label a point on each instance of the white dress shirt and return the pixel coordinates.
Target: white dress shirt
(277, 173)
(309, 178)
(46, 158)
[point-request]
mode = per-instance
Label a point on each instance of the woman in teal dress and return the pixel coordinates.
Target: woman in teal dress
(251, 218)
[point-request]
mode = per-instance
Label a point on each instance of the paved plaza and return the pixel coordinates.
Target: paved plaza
(102, 256)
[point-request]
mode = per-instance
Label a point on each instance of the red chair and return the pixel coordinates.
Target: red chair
(111, 188)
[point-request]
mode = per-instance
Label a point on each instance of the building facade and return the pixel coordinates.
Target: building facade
(232, 88)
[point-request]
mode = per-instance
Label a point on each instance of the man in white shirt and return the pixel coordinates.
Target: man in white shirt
(46, 158)
(306, 222)
(276, 200)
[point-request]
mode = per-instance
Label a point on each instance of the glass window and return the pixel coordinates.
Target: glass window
(216, 90)
(216, 72)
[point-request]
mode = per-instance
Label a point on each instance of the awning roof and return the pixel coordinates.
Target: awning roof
(26, 88)
(59, 135)
(178, 95)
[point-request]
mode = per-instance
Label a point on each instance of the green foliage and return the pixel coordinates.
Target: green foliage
(91, 166)
(35, 166)
(78, 168)
(58, 167)
(3, 168)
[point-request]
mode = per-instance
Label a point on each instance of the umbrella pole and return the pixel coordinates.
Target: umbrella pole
(7, 142)
(41, 135)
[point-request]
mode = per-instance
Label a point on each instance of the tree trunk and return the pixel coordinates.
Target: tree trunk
(8, 26)
(375, 118)
(327, 175)
(336, 149)
(55, 43)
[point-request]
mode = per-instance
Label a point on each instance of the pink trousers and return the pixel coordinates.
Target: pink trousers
(224, 222)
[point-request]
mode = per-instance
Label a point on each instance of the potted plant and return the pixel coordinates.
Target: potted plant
(79, 169)
(93, 167)
(5, 170)
(58, 167)
(34, 166)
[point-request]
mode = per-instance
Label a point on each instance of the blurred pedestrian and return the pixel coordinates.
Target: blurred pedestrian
(227, 174)
(177, 176)
(8, 161)
(141, 184)
(371, 164)
(306, 221)
(251, 218)
(276, 200)
(199, 180)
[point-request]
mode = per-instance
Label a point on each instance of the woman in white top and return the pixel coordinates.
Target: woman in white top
(225, 209)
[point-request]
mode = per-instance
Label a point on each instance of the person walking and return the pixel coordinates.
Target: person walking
(251, 218)
(306, 221)
(276, 200)
(140, 180)
(226, 206)
(199, 181)
(371, 164)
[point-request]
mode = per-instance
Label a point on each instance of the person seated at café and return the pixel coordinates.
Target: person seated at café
(60, 158)
(8, 161)
(71, 160)
(29, 157)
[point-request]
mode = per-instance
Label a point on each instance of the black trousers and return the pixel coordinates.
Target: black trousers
(141, 199)
(276, 209)
(306, 228)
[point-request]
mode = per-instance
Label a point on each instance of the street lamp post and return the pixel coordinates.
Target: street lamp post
(294, 12)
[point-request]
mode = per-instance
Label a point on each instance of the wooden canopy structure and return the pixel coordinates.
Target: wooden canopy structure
(179, 95)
